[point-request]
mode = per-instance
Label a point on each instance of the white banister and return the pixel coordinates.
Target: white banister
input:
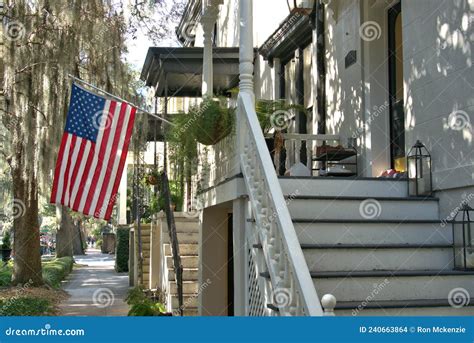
(281, 250)
(285, 261)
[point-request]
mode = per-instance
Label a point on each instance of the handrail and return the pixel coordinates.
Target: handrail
(178, 267)
(283, 255)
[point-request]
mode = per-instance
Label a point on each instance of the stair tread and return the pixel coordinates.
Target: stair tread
(365, 221)
(349, 305)
(337, 178)
(388, 273)
(375, 246)
(351, 197)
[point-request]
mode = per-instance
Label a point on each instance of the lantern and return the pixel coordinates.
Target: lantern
(463, 225)
(301, 6)
(419, 171)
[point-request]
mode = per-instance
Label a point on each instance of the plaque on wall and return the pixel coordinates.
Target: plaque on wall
(351, 58)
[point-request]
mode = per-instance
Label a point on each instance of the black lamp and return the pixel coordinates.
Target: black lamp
(419, 171)
(462, 238)
(301, 6)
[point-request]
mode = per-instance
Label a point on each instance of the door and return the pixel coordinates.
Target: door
(396, 101)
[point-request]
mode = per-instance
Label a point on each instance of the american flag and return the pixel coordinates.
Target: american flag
(92, 153)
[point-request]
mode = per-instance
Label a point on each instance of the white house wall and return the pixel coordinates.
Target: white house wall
(439, 83)
(438, 77)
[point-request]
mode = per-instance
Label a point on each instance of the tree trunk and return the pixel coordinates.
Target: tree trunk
(64, 236)
(77, 240)
(26, 241)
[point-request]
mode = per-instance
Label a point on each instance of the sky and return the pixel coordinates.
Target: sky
(138, 48)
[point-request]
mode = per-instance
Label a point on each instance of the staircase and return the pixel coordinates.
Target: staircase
(378, 251)
(146, 247)
(187, 228)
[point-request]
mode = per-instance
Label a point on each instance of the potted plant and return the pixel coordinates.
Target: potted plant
(153, 178)
(214, 121)
(6, 246)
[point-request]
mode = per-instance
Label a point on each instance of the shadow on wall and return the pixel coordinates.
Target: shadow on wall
(439, 83)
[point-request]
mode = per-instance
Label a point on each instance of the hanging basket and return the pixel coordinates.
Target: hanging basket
(214, 122)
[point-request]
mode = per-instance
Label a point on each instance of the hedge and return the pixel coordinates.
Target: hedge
(121, 253)
(25, 306)
(56, 270)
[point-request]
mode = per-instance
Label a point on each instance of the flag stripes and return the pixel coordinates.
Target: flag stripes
(87, 173)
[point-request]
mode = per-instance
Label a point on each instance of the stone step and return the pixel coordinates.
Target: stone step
(392, 285)
(189, 287)
(419, 307)
(146, 239)
(373, 232)
(188, 274)
(352, 257)
(184, 249)
(183, 238)
(186, 261)
(347, 208)
(335, 186)
(189, 301)
(182, 226)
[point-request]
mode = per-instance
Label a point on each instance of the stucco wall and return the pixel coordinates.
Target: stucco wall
(439, 82)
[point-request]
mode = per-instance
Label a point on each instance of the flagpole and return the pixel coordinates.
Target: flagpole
(118, 99)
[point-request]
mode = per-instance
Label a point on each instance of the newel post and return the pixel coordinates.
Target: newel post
(246, 57)
(246, 54)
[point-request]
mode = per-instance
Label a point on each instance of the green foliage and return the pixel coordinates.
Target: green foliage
(6, 241)
(25, 306)
(6, 274)
(121, 254)
(213, 121)
(141, 305)
(48, 210)
(56, 270)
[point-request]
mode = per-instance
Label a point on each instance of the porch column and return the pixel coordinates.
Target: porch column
(246, 55)
(208, 20)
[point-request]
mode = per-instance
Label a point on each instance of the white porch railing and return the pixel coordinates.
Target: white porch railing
(217, 163)
(287, 268)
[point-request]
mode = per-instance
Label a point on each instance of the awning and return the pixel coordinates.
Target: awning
(181, 68)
